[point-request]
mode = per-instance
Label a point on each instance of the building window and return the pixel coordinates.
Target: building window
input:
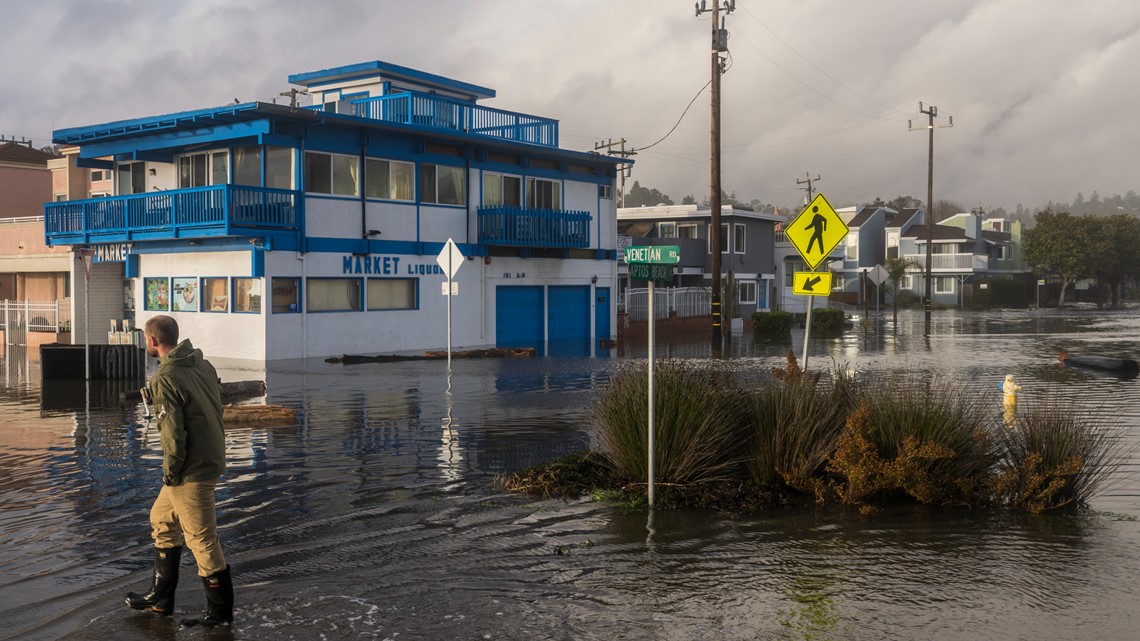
(543, 194)
(687, 231)
(853, 247)
(215, 294)
(442, 184)
(247, 295)
(333, 295)
(132, 178)
(738, 238)
(667, 230)
(247, 166)
(335, 174)
(747, 292)
(501, 190)
(906, 283)
(184, 295)
(59, 198)
(606, 192)
(391, 293)
(791, 266)
(278, 167)
(199, 170)
(838, 283)
(389, 179)
(98, 175)
(724, 248)
(944, 284)
(286, 295)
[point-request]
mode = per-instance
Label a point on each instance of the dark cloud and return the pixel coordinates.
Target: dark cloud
(1040, 90)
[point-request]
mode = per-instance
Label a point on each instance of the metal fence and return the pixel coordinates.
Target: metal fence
(36, 316)
(682, 302)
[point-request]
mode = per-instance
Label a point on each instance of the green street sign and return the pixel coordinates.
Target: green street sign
(642, 271)
(653, 255)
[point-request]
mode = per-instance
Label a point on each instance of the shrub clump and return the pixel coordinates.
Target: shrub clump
(722, 442)
(776, 322)
(826, 319)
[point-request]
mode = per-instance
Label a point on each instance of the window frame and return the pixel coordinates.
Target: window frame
(742, 287)
(725, 230)
(501, 177)
(432, 198)
(207, 305)
(662, 227)
(944, 279)
(234, 300)
(691, 227)
(309, 295)
(415, 294)
(332, 159)
(393, 188)
(533, 190)
(208, 168)
(739, 237)
(296, 295)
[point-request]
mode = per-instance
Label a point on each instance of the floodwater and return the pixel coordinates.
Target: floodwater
(377, 516)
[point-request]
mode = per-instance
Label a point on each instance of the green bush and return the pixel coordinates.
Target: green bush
(827, 320)
(697, 413)
(908, 299)
(777, 322)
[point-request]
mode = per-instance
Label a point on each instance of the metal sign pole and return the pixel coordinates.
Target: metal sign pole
(807, 331)
(449, 286)
(652, 437)
(87, 325)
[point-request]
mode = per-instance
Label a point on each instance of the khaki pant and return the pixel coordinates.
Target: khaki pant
(185, 514)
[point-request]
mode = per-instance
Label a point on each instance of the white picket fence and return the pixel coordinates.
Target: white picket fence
(682, 302)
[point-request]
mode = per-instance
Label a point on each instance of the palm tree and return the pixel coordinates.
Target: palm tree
(896, 271)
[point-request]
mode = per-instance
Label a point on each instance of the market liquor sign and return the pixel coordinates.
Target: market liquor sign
(652, 263)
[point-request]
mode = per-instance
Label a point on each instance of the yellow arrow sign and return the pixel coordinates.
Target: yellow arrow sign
(811, 283)
(816, 231)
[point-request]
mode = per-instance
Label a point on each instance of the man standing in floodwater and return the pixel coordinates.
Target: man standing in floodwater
(187, 404)
(818, 225)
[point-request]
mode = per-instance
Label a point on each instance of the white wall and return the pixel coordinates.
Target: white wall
(106, 291)
(217, 334)
(331, 218)
(437, 224)
(394, 221)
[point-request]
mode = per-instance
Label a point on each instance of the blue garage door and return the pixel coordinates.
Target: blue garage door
(568, 320)
(519, 318)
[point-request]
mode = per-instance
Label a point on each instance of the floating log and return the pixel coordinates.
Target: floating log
(356, 359)
(494, 352)
(231, 391)
(258, 415)
(1121, 366)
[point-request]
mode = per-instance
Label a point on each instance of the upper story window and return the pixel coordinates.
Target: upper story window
(667, 230)
(606, 192)
(389, 179)
(132, 178)
(501, 190)
(723, 238)
(738, 239)
(278, 166)
(207, 168)
(98, 175)
(543, 194)
(688, 230)
(853, 247)
(442, 184)
(791, 266)
(335, 174)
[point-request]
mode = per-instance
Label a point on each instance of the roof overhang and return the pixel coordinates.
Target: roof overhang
(378, 68)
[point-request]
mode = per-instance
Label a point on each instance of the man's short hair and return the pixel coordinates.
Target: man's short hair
(164, 329)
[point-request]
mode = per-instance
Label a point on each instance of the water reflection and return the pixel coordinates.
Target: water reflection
(376, 513)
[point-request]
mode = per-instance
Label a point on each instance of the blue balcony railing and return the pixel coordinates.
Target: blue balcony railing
(519, 227)
(414, 108)
(220, 210)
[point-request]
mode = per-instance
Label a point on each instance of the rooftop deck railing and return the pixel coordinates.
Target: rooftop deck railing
(520, 227)
(952, 262)
(414, 108)
(219, 210)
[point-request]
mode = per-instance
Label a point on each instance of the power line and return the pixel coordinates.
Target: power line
(702, 89)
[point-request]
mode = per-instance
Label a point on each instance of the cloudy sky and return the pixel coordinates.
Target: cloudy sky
(1040, 90)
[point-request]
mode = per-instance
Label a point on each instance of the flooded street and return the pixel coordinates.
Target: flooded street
(377, 516)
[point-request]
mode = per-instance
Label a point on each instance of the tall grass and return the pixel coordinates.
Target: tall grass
(793, 423)
(1055, 456)
(697, 414)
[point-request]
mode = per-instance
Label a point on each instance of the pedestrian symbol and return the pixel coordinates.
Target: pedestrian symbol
(816, 231)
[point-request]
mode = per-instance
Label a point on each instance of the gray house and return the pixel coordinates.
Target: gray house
(746, 241)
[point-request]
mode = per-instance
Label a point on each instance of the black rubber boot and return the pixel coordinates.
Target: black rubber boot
(160, 599)
(219, 601)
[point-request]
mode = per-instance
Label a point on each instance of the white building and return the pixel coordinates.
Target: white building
(276, 232)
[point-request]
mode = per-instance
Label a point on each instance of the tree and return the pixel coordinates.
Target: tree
(689, 200)
(899, 203)
(896, 271)
(639, 196)
(1062, 244)
(944, 209)
(1117, 238)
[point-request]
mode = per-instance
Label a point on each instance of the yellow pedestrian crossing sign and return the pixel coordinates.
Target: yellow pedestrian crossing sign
(812, 283)
(816, 231)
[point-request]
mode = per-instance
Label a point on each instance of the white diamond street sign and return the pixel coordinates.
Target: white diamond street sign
(450, 259)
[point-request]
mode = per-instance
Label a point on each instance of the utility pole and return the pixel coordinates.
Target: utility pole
(719, 45)
(624, 168)
(808, 182)
(292, 95)
(932, 112)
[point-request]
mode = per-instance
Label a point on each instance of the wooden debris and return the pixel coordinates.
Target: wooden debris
(258, 415)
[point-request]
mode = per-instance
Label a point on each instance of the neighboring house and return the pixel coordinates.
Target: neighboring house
(863, 248)
(788, 261)
(276, 232)
(35, 280)
(965, 248)
(746, 241)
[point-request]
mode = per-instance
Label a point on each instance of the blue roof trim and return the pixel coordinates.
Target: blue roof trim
(75, 135)
(377, 67)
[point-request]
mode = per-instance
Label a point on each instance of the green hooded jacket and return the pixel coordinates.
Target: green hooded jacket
(188, 408)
